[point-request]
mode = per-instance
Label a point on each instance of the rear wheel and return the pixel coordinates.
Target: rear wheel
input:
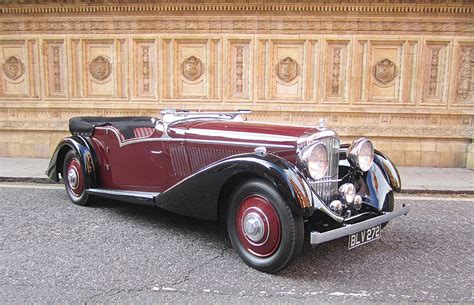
(74, 179)
(262, 228)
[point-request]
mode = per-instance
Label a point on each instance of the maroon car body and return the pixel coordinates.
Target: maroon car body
(258, 177)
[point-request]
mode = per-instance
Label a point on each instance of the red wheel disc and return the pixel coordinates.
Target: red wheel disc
(75, 177)
(258, 226)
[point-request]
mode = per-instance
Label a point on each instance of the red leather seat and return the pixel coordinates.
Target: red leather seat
(142, 132)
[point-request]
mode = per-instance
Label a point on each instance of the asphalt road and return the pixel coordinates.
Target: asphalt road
(54, 251)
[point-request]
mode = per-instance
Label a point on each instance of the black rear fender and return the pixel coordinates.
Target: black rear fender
(83, 149)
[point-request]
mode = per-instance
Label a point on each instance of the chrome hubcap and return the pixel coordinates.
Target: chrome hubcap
(72, 178)
(253, 227)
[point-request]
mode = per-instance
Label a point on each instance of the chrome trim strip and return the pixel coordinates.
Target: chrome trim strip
(138, 194)
(240, 135)
(318, 238)
(125, 195)
(239, 143)
(322, 181)
(134, 141)
(355, 217)
(306, 140)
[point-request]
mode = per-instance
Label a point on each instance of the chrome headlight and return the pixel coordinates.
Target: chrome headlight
(315, 160)
(361, 154)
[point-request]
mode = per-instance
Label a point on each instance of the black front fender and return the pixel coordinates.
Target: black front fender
(198, 195)
(381, 179)
(85, 152)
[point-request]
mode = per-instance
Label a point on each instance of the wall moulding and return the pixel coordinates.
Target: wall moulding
(230, 24)
(436, 73)
(55, 68)
(462, 93)
(145, 59)
(427, 7)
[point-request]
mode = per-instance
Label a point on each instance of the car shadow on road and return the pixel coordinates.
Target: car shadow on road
(330, 261)
(158, 217)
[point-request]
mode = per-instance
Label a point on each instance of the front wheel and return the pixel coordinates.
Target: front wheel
(266, 234)
(74, 179)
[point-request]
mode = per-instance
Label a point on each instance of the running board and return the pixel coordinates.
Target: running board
(147, 198)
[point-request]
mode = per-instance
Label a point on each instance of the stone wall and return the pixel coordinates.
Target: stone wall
(401, 74)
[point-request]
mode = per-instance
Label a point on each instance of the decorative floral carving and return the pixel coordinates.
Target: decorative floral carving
(13, 68)
(100, 68)
(287, 69)
(385, 71)
(239, 69)
(192, 68)
(56, 70)
(146, 69)
(336, 70)
(465, 74)
(434, 72)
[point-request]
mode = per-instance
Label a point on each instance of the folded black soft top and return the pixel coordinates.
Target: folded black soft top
(85, 125)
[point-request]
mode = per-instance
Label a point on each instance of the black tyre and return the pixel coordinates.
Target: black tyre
(388, 206)
(74, 179)
(266, 234)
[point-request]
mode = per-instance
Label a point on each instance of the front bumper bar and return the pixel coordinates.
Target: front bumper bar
(319, 238)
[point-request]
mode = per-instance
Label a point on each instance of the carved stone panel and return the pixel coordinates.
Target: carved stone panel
(239, 69)
(13, 68)
(102, 68)
(336, 71)
(191, 71)
(435, 71)
(145, 65)
(55, 68)
(464, 85)
(192, 68)
(287, 64)
(13, 60)
(385, 70)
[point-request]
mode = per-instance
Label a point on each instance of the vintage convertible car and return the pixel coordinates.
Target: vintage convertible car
(270, 183)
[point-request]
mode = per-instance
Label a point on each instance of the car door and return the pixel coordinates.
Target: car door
(138, 164)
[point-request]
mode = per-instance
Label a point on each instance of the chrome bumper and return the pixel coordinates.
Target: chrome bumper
(319, 238)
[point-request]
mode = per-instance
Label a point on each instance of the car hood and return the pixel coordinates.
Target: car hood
(243, 132)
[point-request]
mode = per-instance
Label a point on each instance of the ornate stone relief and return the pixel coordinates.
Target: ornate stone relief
(385, 71)
(466, 62)
(287, 69)
(239, 70)
(56, 70)
(146, 69)
(100, 68)
(434, 72)
(13, 68)
(192, 68)
(336, 71)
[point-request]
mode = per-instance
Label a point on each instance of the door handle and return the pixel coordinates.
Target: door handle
(157, 152)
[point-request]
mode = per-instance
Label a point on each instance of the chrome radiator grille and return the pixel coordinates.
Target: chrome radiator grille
(326, 187)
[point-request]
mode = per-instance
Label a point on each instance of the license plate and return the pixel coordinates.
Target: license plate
(364, 237)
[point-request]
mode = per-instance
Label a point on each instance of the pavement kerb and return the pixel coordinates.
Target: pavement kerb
(404, 191)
